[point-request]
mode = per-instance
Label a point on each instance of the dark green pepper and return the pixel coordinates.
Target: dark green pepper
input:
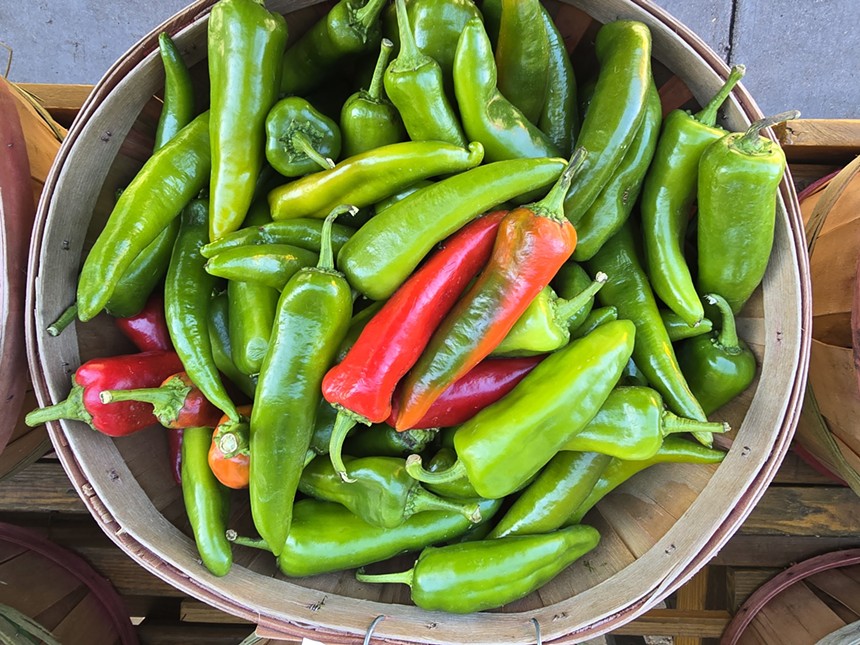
(177, 110)
(299, 139)
(271, 265)
(718, 366)
(381, 440)
(471, 576)
(222, 352)
(570, 280)
(381, 492)
(457, 489)
(593, 320)
(559, 118)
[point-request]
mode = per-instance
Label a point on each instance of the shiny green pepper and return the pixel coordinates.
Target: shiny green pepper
(299, 139)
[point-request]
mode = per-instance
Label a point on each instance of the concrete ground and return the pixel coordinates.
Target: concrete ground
(800, 54)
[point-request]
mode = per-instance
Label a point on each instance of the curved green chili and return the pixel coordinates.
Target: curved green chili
(177, 110)
(271, 265)
(222, 352)
(302, 232)
(559, 118)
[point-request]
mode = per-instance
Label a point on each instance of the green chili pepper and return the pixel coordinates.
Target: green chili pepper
(170, 179)
(544, 506)
(413, 82)
(381, 440)
(472, 576)
(497, 449)
(381, 494)
(385, 251)
(299, 139)
(667, 200)
(718, 366)
(366, 178)
(460, 488)
(738, 180)
(673, 450)
(271, 265)
(593, 320)
(350, 27)
(312, 318)
(487, 116)
(382, 204)
(177, 111)
(187, 295)
(356, 326)
(368, 119)
(326, 537)
(545, 326)
(246, 45)
(207, 501)
(678, 329)
(633, 376)
(559, 118)
(222, 352)
(631, 425)
(302, 232)
(629, 291)
(616, 201)
(615, 111)
(571, 280)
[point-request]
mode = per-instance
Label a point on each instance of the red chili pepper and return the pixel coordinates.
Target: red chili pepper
(148, 328)
(486, 383)
(124, 372)
(230, 452)
(176, 403)
(362, 385)
(532, 243)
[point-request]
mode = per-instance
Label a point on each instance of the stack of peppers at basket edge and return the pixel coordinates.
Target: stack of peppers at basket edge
(475, 343)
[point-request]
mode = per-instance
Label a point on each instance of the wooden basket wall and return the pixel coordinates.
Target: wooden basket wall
(657, 530)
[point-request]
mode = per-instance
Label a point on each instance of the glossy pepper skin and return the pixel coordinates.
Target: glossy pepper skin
(368, 119)
(312, 318)
(632, 424)
(299, 138)
(616, 201)
(678, 329)
(385, 251)
(667, 201)
(380, 440)
(531, 244)
(629, 291)
(559, 117)
(413, 82)
(145, 369)
(246, 45)
(595, 318)
(207, 502)
(350, 27)
(222, 351)
(460, 488)
(178, 108)
(487, 116)
(472, 576)
(303, 232)
(229, 454)
(362, 384)
(366, 178)
(616, 109)
(382, 493)
(570, 281)
(187, 289)
(496, 449)
(169, 179)
(718, 366)
(147, 329)
(271, 265)
(739, 175)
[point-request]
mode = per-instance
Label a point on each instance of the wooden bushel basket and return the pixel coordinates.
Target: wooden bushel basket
(657, 530)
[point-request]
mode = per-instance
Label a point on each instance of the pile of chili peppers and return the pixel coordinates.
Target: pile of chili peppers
(405, 283)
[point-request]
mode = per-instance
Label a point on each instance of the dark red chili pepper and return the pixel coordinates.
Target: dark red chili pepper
(147, 329)
(486, 383)
(532, 243)
(124, 372)
(363, 383)
(176, 402)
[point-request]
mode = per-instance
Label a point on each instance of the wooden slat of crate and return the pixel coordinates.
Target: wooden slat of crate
(820, 140)
(742, 581)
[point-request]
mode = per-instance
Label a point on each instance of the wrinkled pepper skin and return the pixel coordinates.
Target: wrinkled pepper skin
(246, 46)
(472, 576)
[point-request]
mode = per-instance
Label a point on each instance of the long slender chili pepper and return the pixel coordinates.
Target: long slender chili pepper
(559, 117)
(222, 351)
(363, 383)
(531, 244)
(271, 265)
(177, 109)
(303, 232)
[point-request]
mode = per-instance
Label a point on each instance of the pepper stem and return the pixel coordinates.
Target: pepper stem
(423, 500)
(343, 423)
(302, 144)
(232, 439)
(565, 309)
(672, 424)
(254, 543)
(553, 204)
(403, 577)
(65, 319)
(71, 408)
(167, 401)
(416, 471)
(751, 143)
(409, 56)
(365, 16)
(326, 261)
(374, 92)
(727, 339)
(708, 115)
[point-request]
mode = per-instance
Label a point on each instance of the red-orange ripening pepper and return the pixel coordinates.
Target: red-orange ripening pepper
(532, 243)
(362, 385)
(230, 451)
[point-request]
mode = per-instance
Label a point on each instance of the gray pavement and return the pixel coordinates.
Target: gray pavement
(800, 54)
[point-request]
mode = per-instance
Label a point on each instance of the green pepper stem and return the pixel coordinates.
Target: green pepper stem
(423, 500)
(727, 339)
(409, 57)
(374, 92)
(343, 423)
(167, 401)
(232, 439)
(254, 543)
(403, 577)
(673, 424)
(565, 309)
(751, 143)
(326, 260)
(708, 115)
(301, 143)
(553, 204)
(366, 16)
(65, 319)
(416, 471)
(71, 408)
